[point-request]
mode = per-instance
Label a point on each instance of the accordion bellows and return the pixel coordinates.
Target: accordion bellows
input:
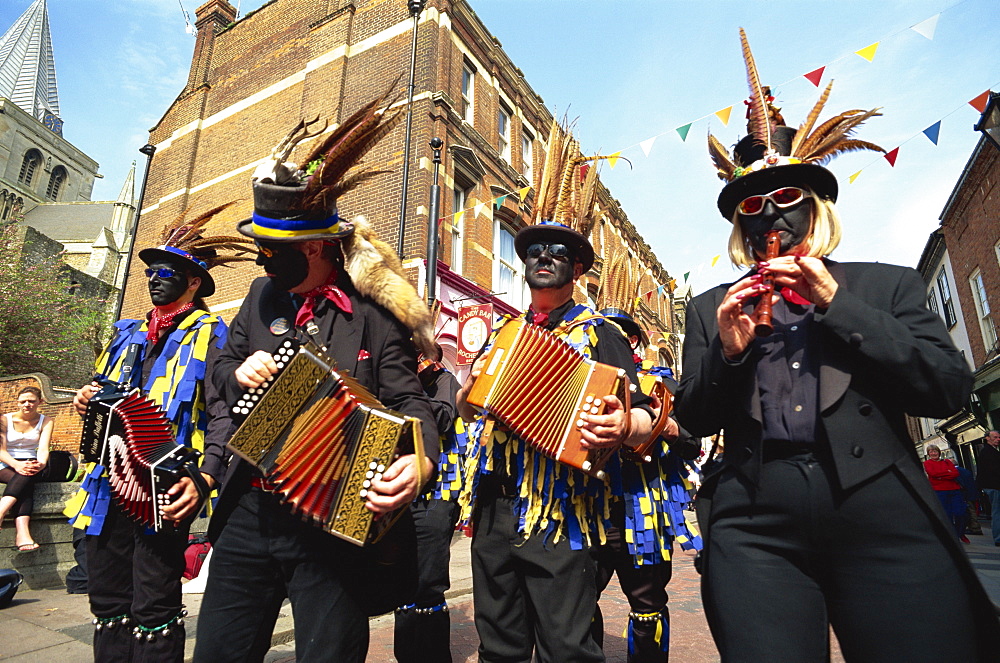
(537, 385)
(320, 438)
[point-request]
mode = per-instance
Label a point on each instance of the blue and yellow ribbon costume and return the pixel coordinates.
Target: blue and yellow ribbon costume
(554, 499)
(175, 383)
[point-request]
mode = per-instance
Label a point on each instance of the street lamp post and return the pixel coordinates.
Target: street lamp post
(432, 229)
(989, 123)
(149, 150)
(415, 7)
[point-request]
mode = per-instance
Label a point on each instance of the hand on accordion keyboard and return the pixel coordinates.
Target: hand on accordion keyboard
(83, 396)
(185, 501)
(255, 369)
(398, 485)
(616, 426)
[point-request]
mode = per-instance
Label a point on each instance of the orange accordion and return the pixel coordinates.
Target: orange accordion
(537, 385)
(132, 438)
(320, 438)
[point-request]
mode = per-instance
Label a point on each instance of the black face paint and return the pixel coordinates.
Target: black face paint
(284, 264)
(544, 271)
(793, 222)
(166, 290)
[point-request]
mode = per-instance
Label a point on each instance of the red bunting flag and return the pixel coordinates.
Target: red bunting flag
(815, 76)
(649, 295)
(979, 103)
(891, 155)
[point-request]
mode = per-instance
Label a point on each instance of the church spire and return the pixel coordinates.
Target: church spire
(27, 67)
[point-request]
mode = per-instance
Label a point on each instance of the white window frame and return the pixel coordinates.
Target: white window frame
(986, 326)
(947, 303)
(527, 154)
(504, 116)
(460, 199)
(468, 93)
(505, 261)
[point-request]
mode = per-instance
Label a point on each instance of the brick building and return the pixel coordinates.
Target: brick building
(961, 265)
(251, 80)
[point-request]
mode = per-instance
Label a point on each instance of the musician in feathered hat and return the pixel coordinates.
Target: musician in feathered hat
(535, 519)
(330, 281)
(650, 516)
(812, 396)
(134, 575)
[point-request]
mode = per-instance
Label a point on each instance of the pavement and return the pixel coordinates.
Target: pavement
(42, 626)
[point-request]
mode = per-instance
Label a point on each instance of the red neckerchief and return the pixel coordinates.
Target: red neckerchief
(794, 297)
(327, 290)
(540, 319)
(158, 322)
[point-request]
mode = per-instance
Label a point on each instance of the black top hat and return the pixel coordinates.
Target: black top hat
(278, 216)
(772, 171)
(626, 322)
(550, 232)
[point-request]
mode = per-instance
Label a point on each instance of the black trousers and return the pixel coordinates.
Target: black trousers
(22, 488)
(530, 594)
(424, 637)
(263, 555)
(139, 575)
(802, 554)
(644, 586)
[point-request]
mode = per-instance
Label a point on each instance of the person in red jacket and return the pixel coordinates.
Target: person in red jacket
(944, 480)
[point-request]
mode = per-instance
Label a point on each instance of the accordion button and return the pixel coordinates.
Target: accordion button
(590, 399)
(363, 493)
(378, 477)
(380, 469)
(369, 474)
(372, 465)
(595, 410)
(367, 483)
(579, 423)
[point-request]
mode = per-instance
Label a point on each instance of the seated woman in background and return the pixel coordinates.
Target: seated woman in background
(24, 455)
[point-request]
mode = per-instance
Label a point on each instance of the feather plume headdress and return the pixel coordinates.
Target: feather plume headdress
(616, 298)
(770, 143)
(186, 240)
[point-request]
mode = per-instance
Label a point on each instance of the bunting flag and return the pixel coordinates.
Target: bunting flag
(522, 193)
(686, 275)
(850, 180)
(683, 131)
(723, 115)
(478, 209)
(456, 217)
(672, 284)
(891, 155)
(868, 52)
(647, 145)
(716, 259)
(933, 131)
(815, 76)
(927, 27)
(648, 295)
(979, 103)
(498, 203)
(613, 159)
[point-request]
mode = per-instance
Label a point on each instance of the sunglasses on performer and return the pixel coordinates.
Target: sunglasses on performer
(162, 272)
(555, 250)
(783, 197)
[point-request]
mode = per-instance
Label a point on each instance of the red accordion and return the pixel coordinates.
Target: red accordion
(537, 385)
(132, 438)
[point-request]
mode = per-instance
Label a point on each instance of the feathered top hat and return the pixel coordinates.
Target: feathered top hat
(293, 204)
(773, 151)
(184, 243)
(616, 297)
(566, 197)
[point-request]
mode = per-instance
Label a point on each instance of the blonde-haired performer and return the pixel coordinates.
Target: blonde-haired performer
(820, 515)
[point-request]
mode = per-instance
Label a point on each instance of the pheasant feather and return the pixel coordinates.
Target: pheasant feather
(759, 121)
(810, 121)
(720, 156)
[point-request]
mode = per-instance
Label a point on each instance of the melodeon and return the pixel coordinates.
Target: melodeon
(652, 386)
(132, 438)
(320, 438)
(537, 385)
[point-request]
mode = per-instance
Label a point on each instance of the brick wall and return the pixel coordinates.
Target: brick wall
(58, 405)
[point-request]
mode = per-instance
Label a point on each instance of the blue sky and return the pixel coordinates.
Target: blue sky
(631, 70)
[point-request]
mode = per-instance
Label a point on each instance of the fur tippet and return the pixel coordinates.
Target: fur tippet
(377, 272)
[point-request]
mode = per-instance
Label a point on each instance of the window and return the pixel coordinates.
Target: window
(31, 161)
(983, 310)
(948, 306)
(527, 156)
(503, 129)
(468, 92)
(932, 302)
(461, 202)
(508, 280)
(56, 180)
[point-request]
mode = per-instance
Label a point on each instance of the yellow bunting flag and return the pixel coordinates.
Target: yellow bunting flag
(523, 192)
(850, 180)
(868, 52)
(613, 159)
(456, 217)
(716, 259)
(723, 115)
